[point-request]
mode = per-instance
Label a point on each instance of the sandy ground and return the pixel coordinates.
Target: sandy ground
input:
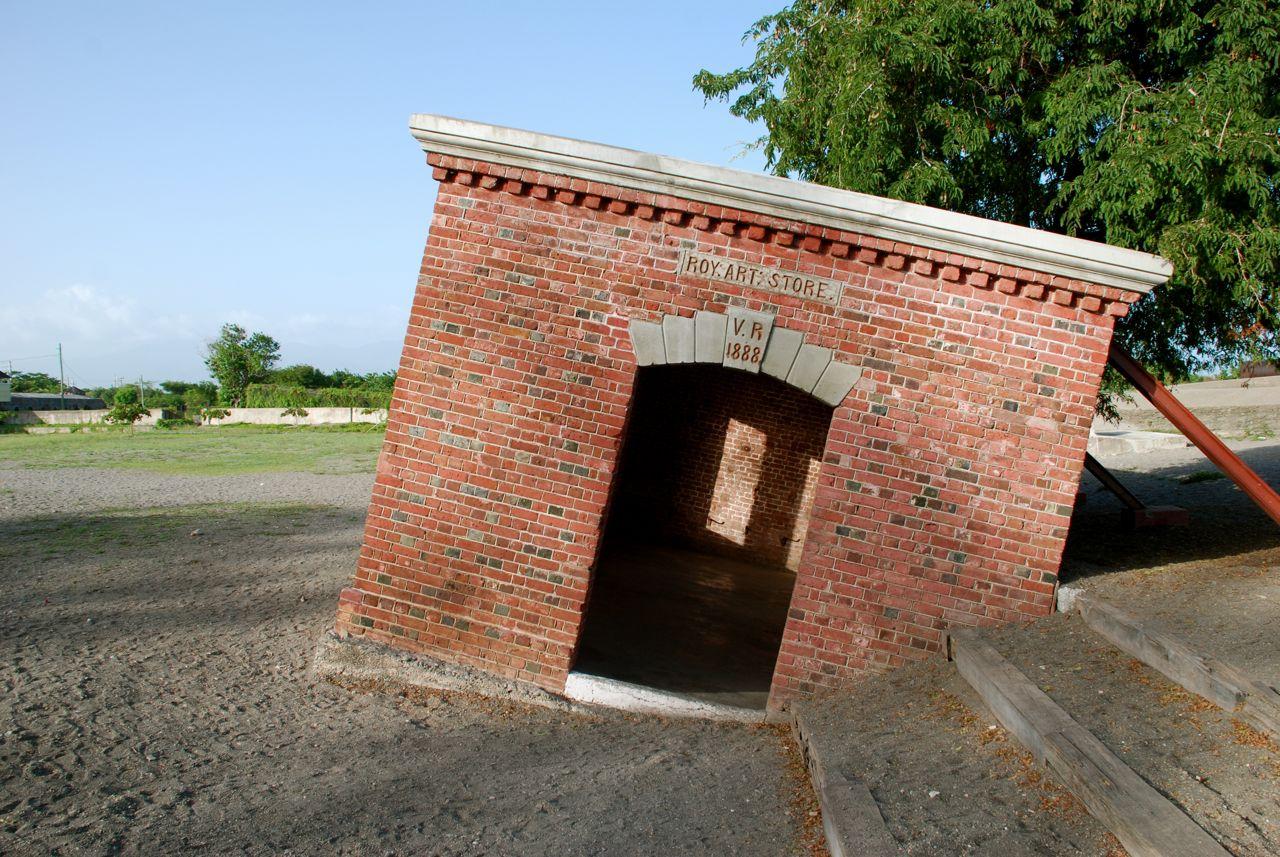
(1233, 409)
(947, 778)
(30, 492)
(1215, 583)
(156, 700)
(1217, 770)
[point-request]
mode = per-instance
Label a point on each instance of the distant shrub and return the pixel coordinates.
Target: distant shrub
(174, 422)
(296, 412)
(214, 413)
(126, 413)
(285, 396)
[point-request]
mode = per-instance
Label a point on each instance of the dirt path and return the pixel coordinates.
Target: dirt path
(155, 700)
(947, 779)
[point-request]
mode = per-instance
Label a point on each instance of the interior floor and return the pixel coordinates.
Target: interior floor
(696, 624)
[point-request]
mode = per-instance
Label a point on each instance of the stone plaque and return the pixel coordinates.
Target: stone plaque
(776, 280)
(746, 338)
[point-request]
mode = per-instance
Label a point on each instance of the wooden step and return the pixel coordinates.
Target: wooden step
(1146, 823)
(851, 818)
(1221, 683)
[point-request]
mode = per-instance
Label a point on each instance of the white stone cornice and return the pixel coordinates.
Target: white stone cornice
(909, 223)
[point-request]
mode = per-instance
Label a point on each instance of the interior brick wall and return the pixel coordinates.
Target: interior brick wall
(720, 461)
(947, 479)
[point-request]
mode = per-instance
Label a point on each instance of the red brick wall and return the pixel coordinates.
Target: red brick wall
(721, 461)
(947, 479)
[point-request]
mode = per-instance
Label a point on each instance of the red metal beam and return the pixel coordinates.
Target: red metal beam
(1197, 432)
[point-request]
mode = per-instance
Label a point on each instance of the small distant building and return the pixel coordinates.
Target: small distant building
(47, 401)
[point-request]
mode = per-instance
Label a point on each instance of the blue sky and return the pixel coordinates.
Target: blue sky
(166, 167)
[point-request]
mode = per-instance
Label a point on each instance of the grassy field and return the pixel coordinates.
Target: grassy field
(216, 451)
(117, 532)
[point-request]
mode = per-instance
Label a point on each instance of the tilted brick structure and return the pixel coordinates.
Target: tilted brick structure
(957, 360)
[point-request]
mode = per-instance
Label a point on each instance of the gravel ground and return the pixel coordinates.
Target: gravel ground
(1220, 772)
(947, 779)
(155, 700)
(29, 492)
(1215, 583)
(1226, 527)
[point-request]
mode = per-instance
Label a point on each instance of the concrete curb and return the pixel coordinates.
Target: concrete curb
(1219, 682)
(1146, 823)
(357, 660)
(624, 696)
(1127, 441)
(360, 661)
(851, 818)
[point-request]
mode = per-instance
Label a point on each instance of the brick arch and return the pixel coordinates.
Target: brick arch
(707, 337)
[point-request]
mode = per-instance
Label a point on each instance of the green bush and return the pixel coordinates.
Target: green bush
(284, 396)
(174, 422)
(126, 413)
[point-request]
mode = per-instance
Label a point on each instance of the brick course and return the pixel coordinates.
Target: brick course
(946, 481)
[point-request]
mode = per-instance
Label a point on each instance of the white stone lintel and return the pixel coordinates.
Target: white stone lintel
(836, 382)
(708, 335)
(783, 346)
(810, 363)
(678, 336)
(646, 341)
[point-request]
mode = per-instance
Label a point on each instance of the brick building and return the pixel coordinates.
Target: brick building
(722, 433)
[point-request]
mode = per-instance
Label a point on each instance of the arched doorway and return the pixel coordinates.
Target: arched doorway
(709, 511)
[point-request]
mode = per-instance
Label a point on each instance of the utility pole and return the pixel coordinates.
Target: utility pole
(142, 393)
(62, 381)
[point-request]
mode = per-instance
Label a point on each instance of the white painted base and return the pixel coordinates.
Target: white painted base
(611, 693)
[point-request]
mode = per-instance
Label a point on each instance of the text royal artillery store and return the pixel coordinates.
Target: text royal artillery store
(717, 434)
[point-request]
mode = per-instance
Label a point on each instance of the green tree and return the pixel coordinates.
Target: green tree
(300, 375)
(237, 359)
(1147, 125)
(126, 395)
(33, 382)
(126, 413)
(198, 396)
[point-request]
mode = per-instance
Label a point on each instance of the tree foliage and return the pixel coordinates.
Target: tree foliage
(199, 395)
(1150, 125)
(237, 359)
(311, 378)
(33, 382)
(126, 413)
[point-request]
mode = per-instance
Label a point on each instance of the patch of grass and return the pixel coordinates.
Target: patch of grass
(111, 530)
(1202, 476)
(207, 451)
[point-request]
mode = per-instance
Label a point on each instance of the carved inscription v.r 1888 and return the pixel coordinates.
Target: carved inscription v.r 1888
(776, 280)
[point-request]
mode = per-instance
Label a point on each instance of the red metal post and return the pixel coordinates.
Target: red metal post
(1197, 432)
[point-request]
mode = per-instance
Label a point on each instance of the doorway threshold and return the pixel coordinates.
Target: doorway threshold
(625, 696)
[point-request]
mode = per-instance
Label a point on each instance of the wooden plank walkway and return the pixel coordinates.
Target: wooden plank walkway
(1145, 822)
(1221, 683)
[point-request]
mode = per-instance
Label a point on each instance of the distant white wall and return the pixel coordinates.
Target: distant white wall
(314, 417)
(72, 418)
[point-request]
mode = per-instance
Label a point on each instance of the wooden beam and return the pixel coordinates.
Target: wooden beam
(1146, 823)
(1219, 682)
(851, 818)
